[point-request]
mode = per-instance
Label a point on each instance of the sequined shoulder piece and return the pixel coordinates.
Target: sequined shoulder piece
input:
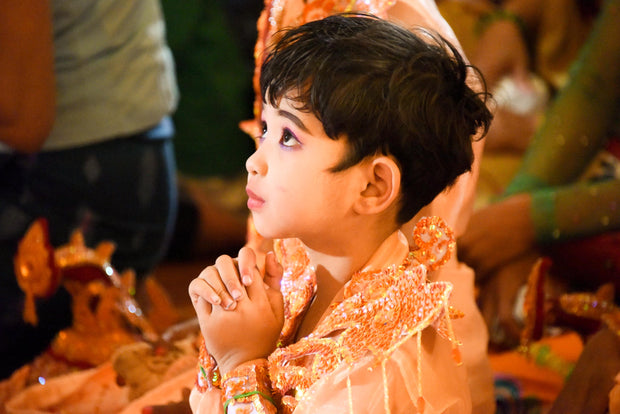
(379, 312)
(395, 304)
(383, 310)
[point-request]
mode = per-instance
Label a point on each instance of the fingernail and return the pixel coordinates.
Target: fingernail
(215, 300)
(232, 305)
(236, 294)
(247, 280)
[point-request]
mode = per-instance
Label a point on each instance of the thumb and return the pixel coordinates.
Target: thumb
(272, 279)
(273, 272)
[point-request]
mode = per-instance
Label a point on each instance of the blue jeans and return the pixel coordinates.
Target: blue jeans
(121, 190)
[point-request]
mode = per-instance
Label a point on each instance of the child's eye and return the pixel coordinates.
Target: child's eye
(259, 139)
(288, 139)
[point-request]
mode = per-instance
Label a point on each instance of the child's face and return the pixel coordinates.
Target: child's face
(291, 190)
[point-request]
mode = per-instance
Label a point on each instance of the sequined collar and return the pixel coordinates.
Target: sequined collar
(380, 310)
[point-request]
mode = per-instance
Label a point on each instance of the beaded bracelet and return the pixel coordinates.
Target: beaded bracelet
(248, 394)
(247, 384)
(497, 15)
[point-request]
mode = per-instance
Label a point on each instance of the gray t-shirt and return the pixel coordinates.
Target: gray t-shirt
(114, 71)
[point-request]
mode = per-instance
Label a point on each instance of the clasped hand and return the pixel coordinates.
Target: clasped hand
(240, 311)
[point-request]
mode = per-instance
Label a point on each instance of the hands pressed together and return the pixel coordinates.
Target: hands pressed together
(240, 311)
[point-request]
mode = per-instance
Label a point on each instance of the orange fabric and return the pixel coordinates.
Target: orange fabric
(443, 382)
(535, 380)
(454, 205)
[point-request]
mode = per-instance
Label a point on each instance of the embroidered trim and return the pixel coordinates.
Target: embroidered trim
(380, 310)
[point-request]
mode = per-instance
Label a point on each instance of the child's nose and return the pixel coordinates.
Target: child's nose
(256, 164)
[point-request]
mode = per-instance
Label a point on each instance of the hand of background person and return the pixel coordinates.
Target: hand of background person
(497, 235)
(497, 300)
(501, 51)
(502, 47)
(587, 389)
(250, 329)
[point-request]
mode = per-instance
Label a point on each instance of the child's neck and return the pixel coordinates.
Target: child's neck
(333, 271)
(343, 252)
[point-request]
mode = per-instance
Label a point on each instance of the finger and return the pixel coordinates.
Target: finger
(205, 313)
(212, 288)
(273, 271)
(247, 265)
(203, 309)
(256, 288)
(272, 280)
(229, 282)
(199, 288)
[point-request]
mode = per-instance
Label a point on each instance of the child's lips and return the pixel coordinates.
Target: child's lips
(254, 201)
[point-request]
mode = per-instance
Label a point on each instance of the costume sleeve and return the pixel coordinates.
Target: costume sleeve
(581, 209)
(443, 383)
(575, 129)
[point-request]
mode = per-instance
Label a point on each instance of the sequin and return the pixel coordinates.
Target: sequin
(380, 310)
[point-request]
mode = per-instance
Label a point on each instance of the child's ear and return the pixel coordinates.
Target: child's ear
(382, 186)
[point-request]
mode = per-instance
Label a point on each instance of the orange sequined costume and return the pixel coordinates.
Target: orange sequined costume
(454, 205)
(387, 345)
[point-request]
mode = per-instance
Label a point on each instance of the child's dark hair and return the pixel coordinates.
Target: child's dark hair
(388, 91)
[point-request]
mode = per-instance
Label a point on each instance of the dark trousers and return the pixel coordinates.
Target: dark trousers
(121, 190)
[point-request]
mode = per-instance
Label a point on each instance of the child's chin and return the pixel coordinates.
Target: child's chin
(269, 232)
(269, 228)
(265, 231)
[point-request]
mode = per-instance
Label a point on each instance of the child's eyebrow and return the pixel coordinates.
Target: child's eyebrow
(294, 119)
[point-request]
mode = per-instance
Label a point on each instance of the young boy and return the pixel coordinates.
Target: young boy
(363, 124)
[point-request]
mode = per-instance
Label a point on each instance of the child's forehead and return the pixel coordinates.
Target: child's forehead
(304, 119)
(288, 107)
